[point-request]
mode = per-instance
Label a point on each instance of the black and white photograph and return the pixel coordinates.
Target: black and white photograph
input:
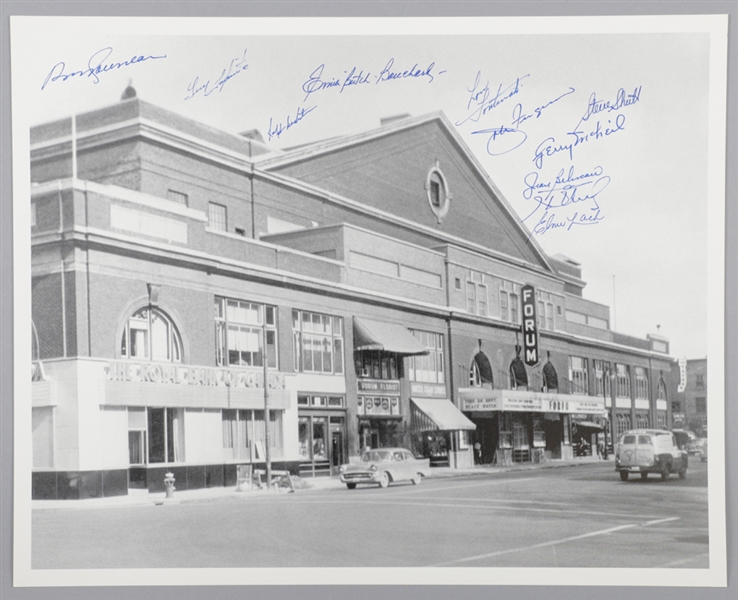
(337, 300)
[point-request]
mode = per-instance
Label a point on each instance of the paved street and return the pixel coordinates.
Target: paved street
(581, 516)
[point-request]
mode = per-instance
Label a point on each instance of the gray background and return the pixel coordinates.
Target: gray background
(356, 9)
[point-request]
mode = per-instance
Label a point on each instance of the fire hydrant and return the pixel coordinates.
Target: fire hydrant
(169, 484)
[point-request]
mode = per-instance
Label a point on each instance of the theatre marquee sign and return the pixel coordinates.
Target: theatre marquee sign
(523, 401)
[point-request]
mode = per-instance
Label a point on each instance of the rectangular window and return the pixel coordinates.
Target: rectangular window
(700, 405)
(373, 364)
(428, 367)
(177, 197)
(641, 382)
(622, 384)
(317, 342)
(602, 379)
(509, 301)
(236, 427)
(471, 299)
(166, 435)
(217, 217)
(700, 380)
(578, 375)
(676, 406)
(240, 333)
(597, 322)
(545, 310)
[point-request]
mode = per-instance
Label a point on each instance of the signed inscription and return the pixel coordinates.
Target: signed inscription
(96, 66)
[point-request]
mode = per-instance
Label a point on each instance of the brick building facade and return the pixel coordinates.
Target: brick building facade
(366, 290)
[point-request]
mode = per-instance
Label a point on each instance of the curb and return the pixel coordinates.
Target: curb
(323, 483)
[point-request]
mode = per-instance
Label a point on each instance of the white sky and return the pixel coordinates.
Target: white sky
(653, 235)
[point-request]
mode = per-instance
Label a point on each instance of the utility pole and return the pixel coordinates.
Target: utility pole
(266, 403)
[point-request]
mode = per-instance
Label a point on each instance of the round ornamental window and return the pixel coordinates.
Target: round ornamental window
(439, 197)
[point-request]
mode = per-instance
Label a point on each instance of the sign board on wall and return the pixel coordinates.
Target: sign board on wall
(378, 386)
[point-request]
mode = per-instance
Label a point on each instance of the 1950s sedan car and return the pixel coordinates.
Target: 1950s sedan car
(383, 466)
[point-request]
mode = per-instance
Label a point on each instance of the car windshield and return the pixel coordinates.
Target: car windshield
(644, 439)
(376, 456)
(629, 439)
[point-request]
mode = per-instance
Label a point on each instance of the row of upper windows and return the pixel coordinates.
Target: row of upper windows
(606, 376)
(243, 329)
(478, 292)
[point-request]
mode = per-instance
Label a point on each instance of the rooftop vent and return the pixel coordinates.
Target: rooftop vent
(252, 134)
(129, 92)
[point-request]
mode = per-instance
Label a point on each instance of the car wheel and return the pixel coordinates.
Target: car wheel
(624, 475)
(351, 486)
(644, 476)
(384, 480)
(682, 473)
(417, 478)
(664, 473)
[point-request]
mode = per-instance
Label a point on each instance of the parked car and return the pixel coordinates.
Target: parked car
(645, 451)
(695, 446)
(383, 466)
(683, 437)
(703, 451)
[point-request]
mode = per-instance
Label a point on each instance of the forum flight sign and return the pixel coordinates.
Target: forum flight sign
(530, 325)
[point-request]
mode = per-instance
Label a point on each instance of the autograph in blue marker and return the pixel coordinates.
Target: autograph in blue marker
(355, 77)
(549, 146)
(96, 66)
(567, 191)
(277, 129)
(505, 139)
(481, 100)
(236, 66)
(622, 99)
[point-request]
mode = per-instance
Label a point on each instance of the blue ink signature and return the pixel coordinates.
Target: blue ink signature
(482, 100)
(496, 145)
(549, 221)
(622, 100)
(387, 74)
(95, 66)
(276, 130)
(235, 67)
(357, 77)
(519, 117)
(549, 147)
(567, 189)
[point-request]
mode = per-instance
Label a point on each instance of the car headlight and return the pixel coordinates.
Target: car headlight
(373, 468)
(342, 469)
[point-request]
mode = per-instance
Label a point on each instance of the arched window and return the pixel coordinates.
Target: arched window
(550, 378)
(480, 373)
(518, 374)
(150, 334)
(662, 390)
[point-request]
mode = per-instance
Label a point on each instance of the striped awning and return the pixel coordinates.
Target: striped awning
(387, 337)
(432, 414)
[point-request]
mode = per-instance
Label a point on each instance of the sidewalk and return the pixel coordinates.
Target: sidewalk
(302, 486)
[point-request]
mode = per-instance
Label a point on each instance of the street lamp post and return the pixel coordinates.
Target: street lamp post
(267, 453)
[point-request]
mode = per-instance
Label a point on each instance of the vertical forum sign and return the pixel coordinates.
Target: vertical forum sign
(530, 325)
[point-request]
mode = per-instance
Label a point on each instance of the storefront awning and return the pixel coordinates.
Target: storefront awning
(589, 425)
(440, 415)
(376, 335)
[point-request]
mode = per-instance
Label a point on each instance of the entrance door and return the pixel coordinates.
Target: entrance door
(337, 457)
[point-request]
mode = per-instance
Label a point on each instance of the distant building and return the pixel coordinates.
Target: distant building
(367, 290)
(690, 407)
